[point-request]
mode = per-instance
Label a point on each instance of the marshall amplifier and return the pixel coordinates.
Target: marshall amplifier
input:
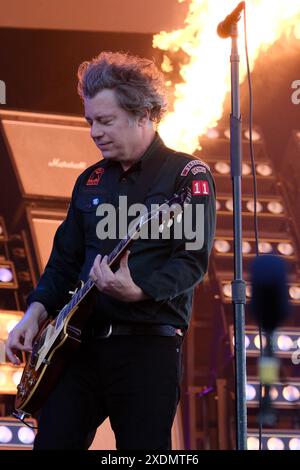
(43, 223)
(47, 152)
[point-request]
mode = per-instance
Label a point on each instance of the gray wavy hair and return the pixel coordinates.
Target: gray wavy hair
(138, 84)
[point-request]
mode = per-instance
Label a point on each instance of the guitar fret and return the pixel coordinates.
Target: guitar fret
(118, 249)
(75, 299)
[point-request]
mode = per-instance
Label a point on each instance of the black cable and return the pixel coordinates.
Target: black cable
(256, 233)
(16, 415)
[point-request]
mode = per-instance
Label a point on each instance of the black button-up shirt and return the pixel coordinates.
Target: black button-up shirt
(163, 268)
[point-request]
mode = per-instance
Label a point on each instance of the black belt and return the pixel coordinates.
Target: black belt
(134, 329)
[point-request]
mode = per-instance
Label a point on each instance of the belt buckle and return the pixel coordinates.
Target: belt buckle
(110, 328)
(179, 332)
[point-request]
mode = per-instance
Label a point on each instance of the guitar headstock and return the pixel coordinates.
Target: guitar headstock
(166, 212)
(181, 198)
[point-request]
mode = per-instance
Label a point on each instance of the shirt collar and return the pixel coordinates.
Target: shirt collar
(155, 143)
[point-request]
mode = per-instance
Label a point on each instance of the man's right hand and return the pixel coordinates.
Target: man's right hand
(21, 337)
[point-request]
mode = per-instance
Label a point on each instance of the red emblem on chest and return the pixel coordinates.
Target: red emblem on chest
(200, 188)
(95, 177)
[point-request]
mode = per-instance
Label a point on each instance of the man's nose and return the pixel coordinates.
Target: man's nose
(96, 130)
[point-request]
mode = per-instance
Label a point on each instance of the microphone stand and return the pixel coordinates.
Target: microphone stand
(238, 284)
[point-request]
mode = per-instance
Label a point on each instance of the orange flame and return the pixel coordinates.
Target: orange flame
(199, 98)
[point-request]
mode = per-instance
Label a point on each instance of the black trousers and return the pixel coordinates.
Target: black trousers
(135, 380)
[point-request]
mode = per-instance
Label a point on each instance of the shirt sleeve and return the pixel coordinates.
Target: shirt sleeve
(62, 270)
(188, 262)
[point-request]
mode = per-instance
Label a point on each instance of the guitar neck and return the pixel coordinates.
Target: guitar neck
(89, 286)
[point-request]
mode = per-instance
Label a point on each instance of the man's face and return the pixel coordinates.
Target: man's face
(115, 131)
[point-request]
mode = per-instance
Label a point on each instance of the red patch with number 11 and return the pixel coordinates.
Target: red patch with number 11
(200, 188)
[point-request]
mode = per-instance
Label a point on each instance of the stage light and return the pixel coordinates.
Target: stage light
(225, 287)
(252, 443)
(227, 290)
(222, 246)
(250, 392)
(227, 133)
(223, 168)
(218, 205)
(286, 249)
(265, 247)
(213, 133)
(8, 320)
(291, 393)
(263, 169)
(26, 435)
(250, 206)
(275, 443)
(247, 342)
(294, 444)
(246, 247)
(273, 393)
(257, 341)
(255, 135)
(248, 291)
(8, 378)
(229, 205)
(15, 435)
(275, 207)
(246, 169)
(274, 440)
(294, 292)
(16, 377)
(282, 396)
(8, 278)
(5, 275)
(271, 224)
(285, 343)
(5, 434)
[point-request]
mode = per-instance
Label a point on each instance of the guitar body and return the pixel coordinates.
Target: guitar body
(52, 349)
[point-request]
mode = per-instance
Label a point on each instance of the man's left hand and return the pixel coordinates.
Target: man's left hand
(120, 284)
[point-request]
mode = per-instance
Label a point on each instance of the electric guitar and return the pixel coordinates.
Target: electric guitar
(60, 337)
